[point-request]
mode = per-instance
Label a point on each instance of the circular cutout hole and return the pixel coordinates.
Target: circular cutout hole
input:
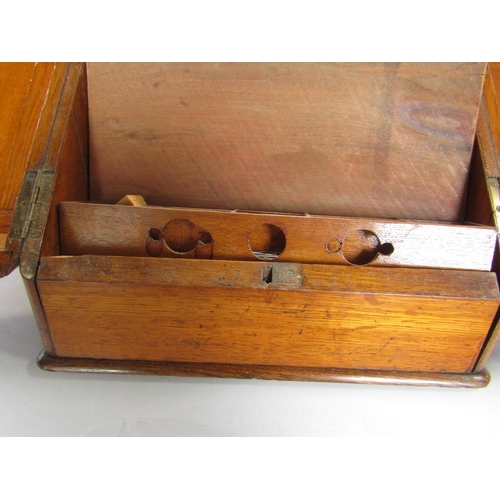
(386, 249)
(361, 247)
(154, 234)
(333, 246)
(154, 243)
(205, 237)
(267, 242)
(181, 235)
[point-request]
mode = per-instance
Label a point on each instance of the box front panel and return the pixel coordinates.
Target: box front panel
(268, 324)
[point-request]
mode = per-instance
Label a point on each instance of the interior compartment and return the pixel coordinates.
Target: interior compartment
(178, 135)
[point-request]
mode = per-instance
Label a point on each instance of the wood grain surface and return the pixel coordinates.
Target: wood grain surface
(124, 230)
(487, 157)
(39, 314)
(479, 205)
(23, 88)
(357, 140)
(370, 140)
(32, 119)
(71, 181)
(23, 94)
(30, 93)
(229, 312)
(379, 377)
(491, 94)
(59, 156)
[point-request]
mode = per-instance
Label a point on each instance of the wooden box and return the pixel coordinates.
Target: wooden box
(330, 222)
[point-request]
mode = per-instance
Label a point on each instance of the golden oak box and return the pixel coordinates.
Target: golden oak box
(331, 222)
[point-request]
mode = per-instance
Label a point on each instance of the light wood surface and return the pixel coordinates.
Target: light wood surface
(227, 312)
(29, 95)
(30, 115)
(58, 156)
(488, 156)
(370, 140)
(123, 230)
(39, 314)
(23, 88)
(134, 200)
(201, 273)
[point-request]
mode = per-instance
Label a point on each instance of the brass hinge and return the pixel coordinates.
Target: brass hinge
(494, 192)
(34, 197)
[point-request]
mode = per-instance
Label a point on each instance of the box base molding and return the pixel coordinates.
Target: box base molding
(133, 367)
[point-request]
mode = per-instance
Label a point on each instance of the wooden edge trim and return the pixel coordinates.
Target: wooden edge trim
(30, 251)
(485, 140)
(132, 367)
(491, 165)
(489, 344)
(490, 96)
(39, 313)
(452, 284)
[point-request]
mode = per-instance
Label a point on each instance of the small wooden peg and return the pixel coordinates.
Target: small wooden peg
(134, 200)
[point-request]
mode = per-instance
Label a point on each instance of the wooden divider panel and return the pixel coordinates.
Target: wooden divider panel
(191, 233)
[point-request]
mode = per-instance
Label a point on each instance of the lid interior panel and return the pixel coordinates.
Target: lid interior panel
(23, 88)
(366, 140)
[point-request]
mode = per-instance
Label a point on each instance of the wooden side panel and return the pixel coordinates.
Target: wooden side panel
(479, 209)
(57, 157)
(33, 131)
(72, 165)
(38, 312)
(488, 137)
(23, 91)
(367, 140)
(492, 102)
(233, 312)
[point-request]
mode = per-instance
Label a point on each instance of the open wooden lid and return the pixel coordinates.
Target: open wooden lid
(29, 93)
(362, 140)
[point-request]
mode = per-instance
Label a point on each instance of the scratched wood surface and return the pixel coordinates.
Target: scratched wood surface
(87, 228)
(16, 89)
(39, 110)
(72, 161)
(58, 155)
(23, 88)
(227, 312)
(371, 140)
